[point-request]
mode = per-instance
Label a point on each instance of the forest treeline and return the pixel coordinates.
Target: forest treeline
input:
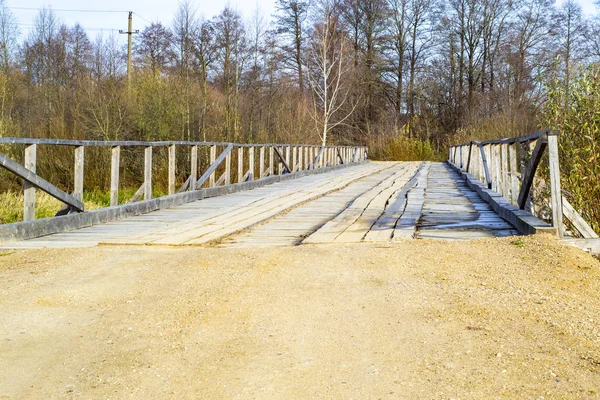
(424, 69)
(405, 77)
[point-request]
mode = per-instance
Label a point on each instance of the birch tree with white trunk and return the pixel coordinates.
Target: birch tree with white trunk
(328, 70)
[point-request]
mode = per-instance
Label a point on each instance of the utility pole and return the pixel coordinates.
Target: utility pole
(129, 33)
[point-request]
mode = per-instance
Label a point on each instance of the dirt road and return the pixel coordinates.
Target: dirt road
(498, 318)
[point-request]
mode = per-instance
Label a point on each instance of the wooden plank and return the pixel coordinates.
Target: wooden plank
(530, 171)
(590, 245)
(172, 168)
(271, 160)
(28, 188)
(193, 167)
(210, 172)
(137, 195)
(39, 183)
(148, 173)
(261, 162)
(114, 175)
(240, 164)
(79, 172)
(228, 168)
(555, 189)
(282, 161)
(250, 172)
(577, 220)
(213, 158)
(514, 179)
(484, 162)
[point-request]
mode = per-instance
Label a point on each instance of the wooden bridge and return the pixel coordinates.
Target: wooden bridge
(301, 195)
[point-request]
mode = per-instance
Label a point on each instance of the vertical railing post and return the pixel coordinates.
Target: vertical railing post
(294, 158)
(505, 180)
(28, 189)
(79, 172)
(271, 161)
(261, 161)
(251, 163)
(148, 173)
(213, 157)
(228, 169)
(555, 189)
(172, 168)
(240, 164)
(287, 156)
(114, 175)
(194, 167)
(514, 179)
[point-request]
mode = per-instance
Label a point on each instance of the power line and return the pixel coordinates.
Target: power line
(142, 17)
(67, 10)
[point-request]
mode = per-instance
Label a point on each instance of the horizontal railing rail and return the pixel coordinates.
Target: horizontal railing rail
(508, 166)
(254, 162)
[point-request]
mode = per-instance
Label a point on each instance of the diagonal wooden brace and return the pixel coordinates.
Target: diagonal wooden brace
(282, 159)
(214, 166)
(40, 183)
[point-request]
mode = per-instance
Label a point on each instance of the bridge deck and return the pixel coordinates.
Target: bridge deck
(371, 202)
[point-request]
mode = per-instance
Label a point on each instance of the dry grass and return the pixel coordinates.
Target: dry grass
(11, 206)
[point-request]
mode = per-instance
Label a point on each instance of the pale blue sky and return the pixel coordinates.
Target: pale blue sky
(151, 10)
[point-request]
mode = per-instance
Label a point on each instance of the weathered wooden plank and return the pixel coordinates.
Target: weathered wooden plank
(148, 173)
(28, 188)
(261, 162)
(79, 172)
(590, 245)
(250, 172)
(212, 176)
(577, 220)
(514, 179)
(193, 167)
(210, 172)
(39, 183)
(240, 165)
(282, 161)
(555, 190)
(530, 171)
(172, 168)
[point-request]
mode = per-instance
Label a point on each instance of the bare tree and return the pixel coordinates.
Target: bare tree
(289, 24)
(328, 70)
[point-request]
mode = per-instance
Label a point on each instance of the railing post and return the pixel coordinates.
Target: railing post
(240, 162)
(213, 157)
(271, 160)
(261, 161)
(301, 158)
(514, 179)
(79, 171)
(287, 156)
(555, 189)
(228, 169)
(114, 175)
(294, 158)
(194, 167)
(251, 163)
(505, 182)
(172, 167)
(29, 189)
(148, 173)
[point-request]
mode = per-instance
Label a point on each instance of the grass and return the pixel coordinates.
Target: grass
(11, 203)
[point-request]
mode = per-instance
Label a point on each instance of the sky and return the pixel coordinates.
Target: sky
(146, 11)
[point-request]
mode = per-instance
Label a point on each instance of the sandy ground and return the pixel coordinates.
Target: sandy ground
(499, 318)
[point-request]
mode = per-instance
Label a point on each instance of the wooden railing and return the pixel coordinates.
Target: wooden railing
(508, 167)
(269, 160)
